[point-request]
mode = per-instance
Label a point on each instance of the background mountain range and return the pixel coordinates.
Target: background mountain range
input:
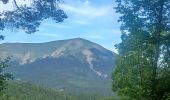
(75, 65)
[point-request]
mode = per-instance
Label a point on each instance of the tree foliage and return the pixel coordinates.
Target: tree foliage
(143, 62)
(3, 78)
(29, 17)
(27, 91)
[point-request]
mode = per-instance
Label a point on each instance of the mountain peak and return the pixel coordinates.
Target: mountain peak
(72, 39)
(79, 39)
(77, 59)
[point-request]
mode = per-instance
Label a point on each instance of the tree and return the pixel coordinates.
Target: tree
(143, 62)
(27, 18)
(4, 77)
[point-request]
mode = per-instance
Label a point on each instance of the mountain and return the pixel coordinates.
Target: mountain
(74, 65)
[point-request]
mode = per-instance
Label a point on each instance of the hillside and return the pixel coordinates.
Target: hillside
(75, 65)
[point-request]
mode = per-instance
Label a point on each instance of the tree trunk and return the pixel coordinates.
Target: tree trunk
(158, 30)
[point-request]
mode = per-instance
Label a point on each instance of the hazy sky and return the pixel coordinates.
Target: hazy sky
(94, 20)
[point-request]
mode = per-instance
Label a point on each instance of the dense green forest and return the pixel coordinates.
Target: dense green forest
(143, 60)
(28, 91)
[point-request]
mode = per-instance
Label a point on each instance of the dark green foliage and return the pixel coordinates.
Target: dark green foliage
(3, 78)
(28, 18)
(143, 62)
(27, 91)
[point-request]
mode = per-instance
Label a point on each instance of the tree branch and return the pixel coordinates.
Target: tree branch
(15, 3)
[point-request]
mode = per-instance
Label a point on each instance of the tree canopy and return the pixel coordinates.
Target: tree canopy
(143, 62)
(29, 18)
(3, 78)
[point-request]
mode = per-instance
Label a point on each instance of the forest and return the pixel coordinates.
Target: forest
(143, 56)
(27, 91)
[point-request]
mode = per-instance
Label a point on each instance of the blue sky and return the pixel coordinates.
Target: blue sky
(94, 20)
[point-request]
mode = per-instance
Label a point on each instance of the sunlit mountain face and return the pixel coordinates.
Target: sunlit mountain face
(74, 65)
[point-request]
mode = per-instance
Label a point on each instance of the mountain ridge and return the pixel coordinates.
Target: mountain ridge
(51, 42)
(81, 63)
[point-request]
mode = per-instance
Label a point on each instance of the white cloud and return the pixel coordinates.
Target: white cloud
(88, 13)
(82, 22)
(10, 5)
(86, 2)
(93, 35)
(116, 32)
(48, 34)
(60, 26)
(86, 10)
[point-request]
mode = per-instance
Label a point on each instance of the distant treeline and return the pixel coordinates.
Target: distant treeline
(28, 91)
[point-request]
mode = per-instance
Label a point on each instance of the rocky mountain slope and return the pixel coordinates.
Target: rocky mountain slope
(74, 65)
